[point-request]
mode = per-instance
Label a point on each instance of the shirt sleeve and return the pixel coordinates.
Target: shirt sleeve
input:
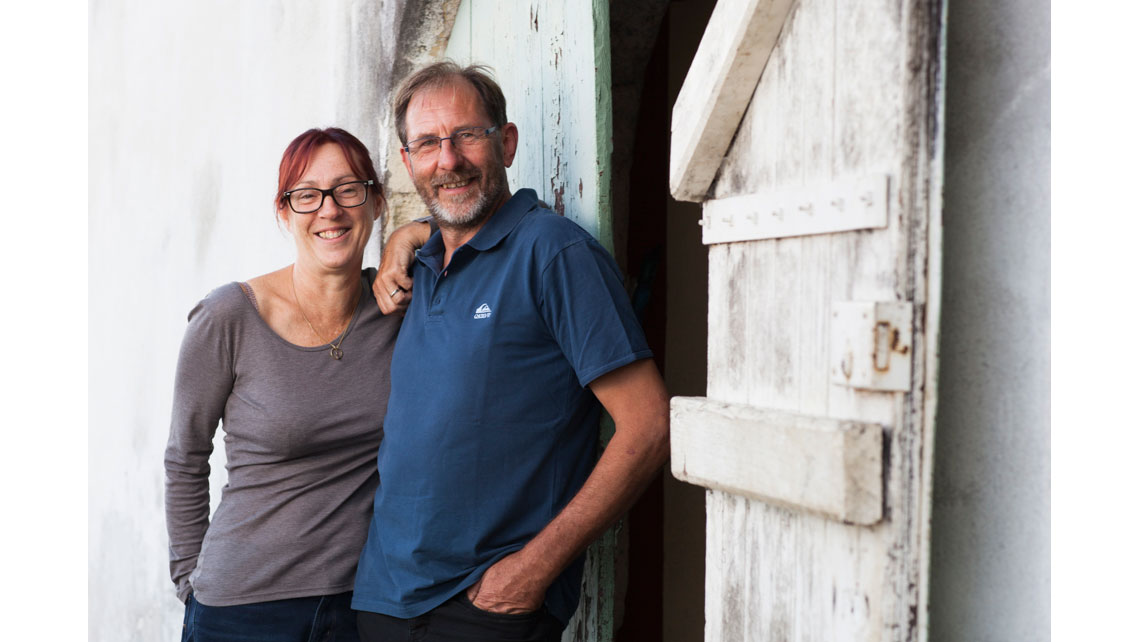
(588, 311)
(430, 220)
(202, 384)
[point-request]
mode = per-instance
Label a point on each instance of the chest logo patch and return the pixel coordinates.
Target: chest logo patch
(483, 311)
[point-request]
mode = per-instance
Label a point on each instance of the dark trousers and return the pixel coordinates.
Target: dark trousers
(457, 620)
(322, 618)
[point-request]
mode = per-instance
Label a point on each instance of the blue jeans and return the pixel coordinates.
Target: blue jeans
(323, 618)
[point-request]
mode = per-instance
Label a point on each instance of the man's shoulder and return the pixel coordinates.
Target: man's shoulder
(548, 231)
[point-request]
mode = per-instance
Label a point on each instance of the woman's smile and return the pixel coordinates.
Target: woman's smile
(332, 234)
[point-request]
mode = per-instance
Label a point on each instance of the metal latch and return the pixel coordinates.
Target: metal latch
(871, 344)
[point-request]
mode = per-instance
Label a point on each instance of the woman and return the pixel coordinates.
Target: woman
(295, 364)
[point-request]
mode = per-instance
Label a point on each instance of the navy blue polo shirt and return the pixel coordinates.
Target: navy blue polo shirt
(491, 428)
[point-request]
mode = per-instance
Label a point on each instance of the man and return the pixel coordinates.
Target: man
(489, 494)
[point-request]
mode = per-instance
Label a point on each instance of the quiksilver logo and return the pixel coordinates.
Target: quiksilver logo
(483, 311)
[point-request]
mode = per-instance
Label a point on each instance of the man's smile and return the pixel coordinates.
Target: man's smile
(453, 181)
(456, 185)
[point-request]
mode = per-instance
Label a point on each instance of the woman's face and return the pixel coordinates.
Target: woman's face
(332, 238)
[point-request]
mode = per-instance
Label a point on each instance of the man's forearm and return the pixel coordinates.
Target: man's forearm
(635, 397)
(630, 462)
(393, 279)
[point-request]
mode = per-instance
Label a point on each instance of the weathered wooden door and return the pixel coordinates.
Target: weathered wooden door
(552, 61)
(811, 131)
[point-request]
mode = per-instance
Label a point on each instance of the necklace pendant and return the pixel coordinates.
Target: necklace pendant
(336, 353)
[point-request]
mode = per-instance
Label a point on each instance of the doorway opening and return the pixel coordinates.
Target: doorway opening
(660, 587)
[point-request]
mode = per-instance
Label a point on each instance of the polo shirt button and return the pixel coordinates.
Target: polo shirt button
(438, 300)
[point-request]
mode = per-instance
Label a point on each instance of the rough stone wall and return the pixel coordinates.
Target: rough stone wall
(425, 26)
(990, 577)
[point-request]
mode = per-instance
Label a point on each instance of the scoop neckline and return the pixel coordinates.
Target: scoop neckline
(273, 333)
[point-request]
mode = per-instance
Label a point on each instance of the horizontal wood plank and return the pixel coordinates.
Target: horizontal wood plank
(841, 205)
(738, 40)
(819, 464)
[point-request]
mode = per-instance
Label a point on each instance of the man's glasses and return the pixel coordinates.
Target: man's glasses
(428, 147)
(310, 199)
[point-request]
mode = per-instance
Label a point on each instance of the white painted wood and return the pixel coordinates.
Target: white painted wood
(729, 61)
(850, 203)
(871, 344)
(830, 466)
(849, 90)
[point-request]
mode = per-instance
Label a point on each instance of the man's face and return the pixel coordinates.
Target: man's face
(461, 186)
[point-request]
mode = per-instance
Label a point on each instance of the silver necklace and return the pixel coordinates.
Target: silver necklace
(334, 348)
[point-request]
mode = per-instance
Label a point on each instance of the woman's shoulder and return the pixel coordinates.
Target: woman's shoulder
(228, 301)
(238, 299)
(217, 318)
(268, 292)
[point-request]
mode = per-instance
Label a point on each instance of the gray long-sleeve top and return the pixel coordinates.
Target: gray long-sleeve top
(301, 434)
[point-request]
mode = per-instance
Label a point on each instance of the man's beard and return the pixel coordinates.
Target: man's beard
(471, 215)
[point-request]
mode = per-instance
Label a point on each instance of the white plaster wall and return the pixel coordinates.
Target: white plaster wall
(990, 574)
(191, 105)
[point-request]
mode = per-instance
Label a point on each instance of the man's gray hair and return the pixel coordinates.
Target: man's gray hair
(443, 74)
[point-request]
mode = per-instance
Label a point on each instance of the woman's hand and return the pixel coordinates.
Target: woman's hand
(393, 285)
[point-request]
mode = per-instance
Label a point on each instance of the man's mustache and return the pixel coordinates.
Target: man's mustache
(443, 179)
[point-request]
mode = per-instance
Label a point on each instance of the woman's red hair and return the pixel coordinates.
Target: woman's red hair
(299, 154)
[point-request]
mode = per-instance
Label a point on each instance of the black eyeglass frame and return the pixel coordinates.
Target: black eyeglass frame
(328, 192)
(487, 131)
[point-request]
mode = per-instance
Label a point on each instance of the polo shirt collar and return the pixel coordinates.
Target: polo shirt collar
(497, 228)
(503, 221)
